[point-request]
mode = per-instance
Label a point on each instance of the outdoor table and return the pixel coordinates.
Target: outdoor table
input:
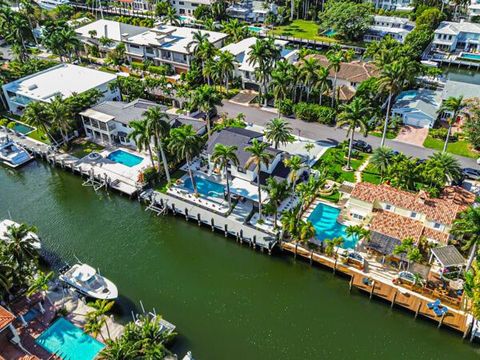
(456, 284)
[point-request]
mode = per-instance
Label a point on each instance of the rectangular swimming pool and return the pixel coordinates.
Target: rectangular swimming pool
(205, 187)
(69, 342)
(125, 158)
(22, 128)
(256, 29)
(469, 56)
(324, 220)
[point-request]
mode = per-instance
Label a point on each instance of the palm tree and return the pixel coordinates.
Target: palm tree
(235, 29)
(223, 156)
(205, 98)
(278, 131)
(442, 168)
(332, 246)
(409, 248)
(226, 66)
(171, 17)
(295, 163)
(455, 105)
(6, 280)
(467, 227)
(354, 115)
(289, 222)
(335, 61)
(308, 72)
(119, 350)
(21, 243)
(141, 137)
(102, 307)
(259, 156)
(35, 115)
(357, 232)
(321, 83)
(59, 115)
(186, 144)
(40, 283)
(390, 80)
(94, 326)
(158, 127)
(381, 158)
(277, 192)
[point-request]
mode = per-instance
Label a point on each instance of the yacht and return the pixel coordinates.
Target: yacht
(87, 281)
(12, 154)
(5, 224)
(51, 4)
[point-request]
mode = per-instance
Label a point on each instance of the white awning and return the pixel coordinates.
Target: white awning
(97, 115)
(247, 190)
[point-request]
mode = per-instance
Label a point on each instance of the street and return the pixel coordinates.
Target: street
(321, 132)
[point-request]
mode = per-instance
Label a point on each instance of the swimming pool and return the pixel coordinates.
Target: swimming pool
(69, 342)
(256, 29)
(329, 32)
(22, 128)
(125, 158)
(205, 187)
(469, 56)
(324, 219)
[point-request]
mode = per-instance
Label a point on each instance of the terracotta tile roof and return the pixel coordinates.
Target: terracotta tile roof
(355, 71)
(6, 317)
(396, 226)
(439, 236)
(443, 210)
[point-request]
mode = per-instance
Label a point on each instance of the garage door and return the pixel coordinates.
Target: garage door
(416, 122)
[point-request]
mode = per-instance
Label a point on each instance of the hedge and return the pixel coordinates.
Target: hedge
(314, 112)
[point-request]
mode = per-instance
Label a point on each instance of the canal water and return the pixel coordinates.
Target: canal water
(227, 301)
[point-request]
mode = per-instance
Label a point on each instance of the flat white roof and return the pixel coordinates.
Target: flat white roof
(63, 79)
(112, 30)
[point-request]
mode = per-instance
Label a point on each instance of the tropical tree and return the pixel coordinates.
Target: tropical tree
(278, 131)
(409, 248)
(226, 66)
(441, 168)
(309, 71)
(335, 59)
(20, 242)
(40, 283)
(224, 156)
(354, 115)
(321, 82)
(35, 115)
(205, 98)
(186, 144)
(171, 17)
(141, 137)
(158, 127)
(94, 326)
(454, 105)
(101, 308)
(381, 158)
(467, 228)
(305, 232)
(60, 116)
(235, 29)
(294, 163)
(332, 246)
(259, 156)
(357, 232)
(277, 192)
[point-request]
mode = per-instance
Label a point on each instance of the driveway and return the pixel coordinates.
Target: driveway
(244, 97)
(412, 135)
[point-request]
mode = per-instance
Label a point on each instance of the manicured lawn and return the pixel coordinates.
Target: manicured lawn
(163, 185)
(334, 159)
(39, 135)
(390, 135)
(371, 174)
(460, 147)
(334, 197)
(82, 148)
(302, 29)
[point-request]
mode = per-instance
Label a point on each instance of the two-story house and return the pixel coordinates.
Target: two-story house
(396, 27)
(399, 214)
(453, 37)
(187, 7)
(167, 44)
(244, 68)
(394, 5)
(252, 11)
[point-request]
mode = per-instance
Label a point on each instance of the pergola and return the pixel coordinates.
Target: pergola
(447, 256)
(384, 245)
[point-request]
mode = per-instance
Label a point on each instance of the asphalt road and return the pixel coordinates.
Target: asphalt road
(319, 132)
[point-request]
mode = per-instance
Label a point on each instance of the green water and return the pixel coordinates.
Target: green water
(227, 301)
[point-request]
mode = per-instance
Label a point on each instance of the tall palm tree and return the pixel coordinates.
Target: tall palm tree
(171, 17)
(223, 156)
(226, 66)
(331, 247)
(102, 307)
(158, 127)
(259, 156)
(278, 131)
(455, 105)
(205, 98)
(141, 137)
(35, 115)
(20, 242)
(294, 163)
(467, 227)
(186, 144)
(309, 71)
(277, 192)
(381, 158)
(390, 80)
(235, 29)
(60, 116)
(94, 326)
(40, 283)
(321, 83)
(335, 59)
(442, 168)
(354, 115)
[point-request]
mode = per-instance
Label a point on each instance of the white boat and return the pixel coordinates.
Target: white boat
(51, 4)
(86, 280)
(12, 154)
(5, 224)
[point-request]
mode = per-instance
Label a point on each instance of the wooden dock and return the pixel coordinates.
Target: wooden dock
(393, 294)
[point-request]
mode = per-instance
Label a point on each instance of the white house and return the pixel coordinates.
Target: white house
(457, 37)
(187, 7)
(252, 11)
(396, 27)
(167, 44)
(244, 68)
(396, 5)
(418, 107)
(64, 80)
(474, 9)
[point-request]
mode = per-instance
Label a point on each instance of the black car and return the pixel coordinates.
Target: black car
(470, 173)
(362, 146)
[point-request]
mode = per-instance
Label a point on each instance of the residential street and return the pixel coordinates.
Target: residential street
(321, 132)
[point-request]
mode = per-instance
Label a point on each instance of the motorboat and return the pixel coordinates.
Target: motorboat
(5, 224)
(12, 154)
(51, 4)
(89, 282)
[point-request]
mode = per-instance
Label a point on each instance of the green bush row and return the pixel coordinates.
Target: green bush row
(306, 111)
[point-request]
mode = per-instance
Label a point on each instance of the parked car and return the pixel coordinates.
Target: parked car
(362, 146)
(470, 173)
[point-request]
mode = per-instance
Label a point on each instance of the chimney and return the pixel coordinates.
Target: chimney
(105, 30)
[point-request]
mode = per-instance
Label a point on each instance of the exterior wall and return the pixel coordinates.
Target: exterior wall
(358, 210)
(414, 118)
(106, 133)
(186, 7)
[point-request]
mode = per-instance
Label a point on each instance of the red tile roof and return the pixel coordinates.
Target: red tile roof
(6, 317)
(443, 210)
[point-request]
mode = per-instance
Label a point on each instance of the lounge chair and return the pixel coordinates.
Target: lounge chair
(434, 304)
(440, 311)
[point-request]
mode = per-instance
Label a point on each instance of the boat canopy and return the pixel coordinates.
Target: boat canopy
(84, 272)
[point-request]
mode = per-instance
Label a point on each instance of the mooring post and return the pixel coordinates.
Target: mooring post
(212, 222)
(441, 320)
(199, 219)
(394, 298)
(186, 214)
(373, 288)
(254, 242)
(350, 284)
(311, 257)
(418, 308)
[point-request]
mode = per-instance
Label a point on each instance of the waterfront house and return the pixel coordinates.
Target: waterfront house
(108, 123)
(63, 79)
(139, 5)
(393, 5)
(453, 37)
(6, 322)
(396, 27)
(252, 11)
(397, 214)
(187, 7)
(170, 45)
(474, 10)
(97, 32)
(418, 108)
(349, 76)
(244, 68)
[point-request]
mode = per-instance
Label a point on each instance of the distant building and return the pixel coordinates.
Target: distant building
(137, 4)
(187, 7)
(457, 37)
(167, 44)
(394, 5)
(474, 9)
(246, 70)
(396, 27)
(64, 80)
(252, 11)
(418, 107)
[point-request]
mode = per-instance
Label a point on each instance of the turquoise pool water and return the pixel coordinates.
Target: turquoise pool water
(125, 158)
(329, 32)
(205, 187)
(255, 29)
(469, 56)
(69, 342)
(22, 128)
(324, 219)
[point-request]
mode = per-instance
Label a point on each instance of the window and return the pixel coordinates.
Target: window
(181, 3)
(388, 207)
(413, 214)
(436, 225)
(357, 216)
(134, 46)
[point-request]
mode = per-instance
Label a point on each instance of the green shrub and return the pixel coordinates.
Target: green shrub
(137, 66)
(11, 125)
(441, 134)
(160, 70)
(314, 112)
(3, 122)
(150, 174)
(285, 107)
